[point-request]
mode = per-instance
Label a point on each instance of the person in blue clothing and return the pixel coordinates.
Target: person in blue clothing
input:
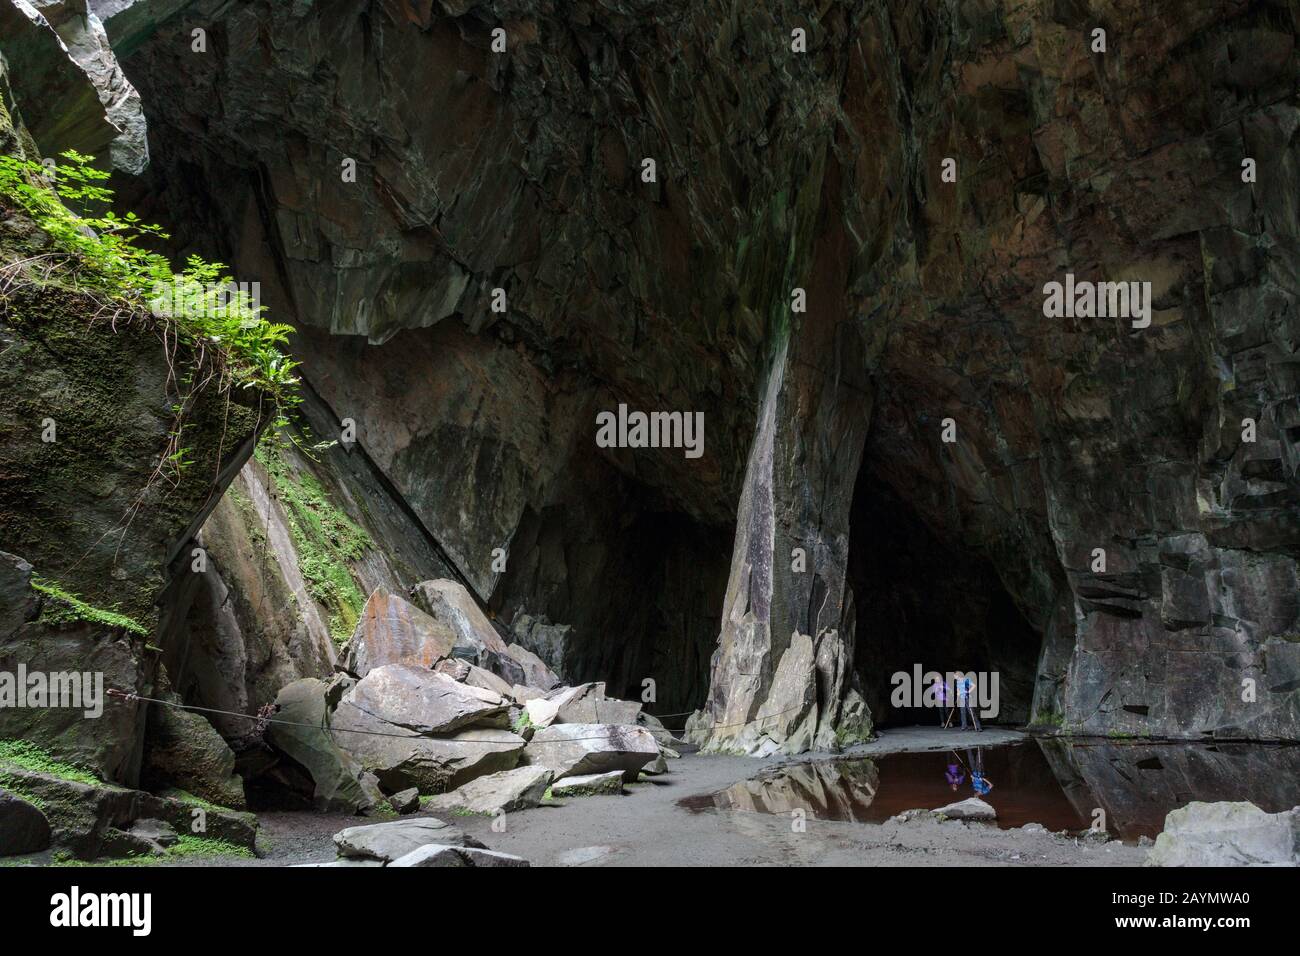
(965, 688)
(981, 784)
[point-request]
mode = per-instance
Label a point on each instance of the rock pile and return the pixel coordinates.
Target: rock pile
(428, 697)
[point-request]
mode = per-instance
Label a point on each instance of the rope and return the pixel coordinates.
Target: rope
(128, 697)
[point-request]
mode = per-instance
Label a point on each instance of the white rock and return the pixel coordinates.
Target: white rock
(1228, 834)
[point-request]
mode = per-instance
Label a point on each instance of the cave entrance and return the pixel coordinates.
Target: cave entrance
(925, 604)
(614, 583)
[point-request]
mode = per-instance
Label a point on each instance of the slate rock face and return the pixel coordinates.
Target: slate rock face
(392, 631)
(823, 172)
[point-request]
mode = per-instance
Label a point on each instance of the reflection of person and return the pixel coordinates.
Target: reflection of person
(978, 781)
(964, 688)
(954, 776)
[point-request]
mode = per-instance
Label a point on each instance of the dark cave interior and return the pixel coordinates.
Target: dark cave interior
(921, 600)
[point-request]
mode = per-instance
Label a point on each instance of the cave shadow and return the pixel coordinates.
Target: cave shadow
(924, 601)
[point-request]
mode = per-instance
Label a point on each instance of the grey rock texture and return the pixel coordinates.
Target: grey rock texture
(579, 749)
(79, 27)
(393, 631)
(268, 610)
(304, 734)
(1228, 834)
(503, 792)
(391, 841)
(590, 784)
(821, 171)
(184, 751)
(71, 89)
(434, 854)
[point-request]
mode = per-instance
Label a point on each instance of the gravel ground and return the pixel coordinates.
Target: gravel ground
(646, 827)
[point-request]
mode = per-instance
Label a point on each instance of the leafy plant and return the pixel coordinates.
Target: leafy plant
(101, 253)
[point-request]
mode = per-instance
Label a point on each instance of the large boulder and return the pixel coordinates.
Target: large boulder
(339, 783)
(589, 785)
(451, 605)
(394, 631)
(391, 841)
(587, 704)
(1228, 834)
(419, 700)
(23, 827)
(401, 758)
(576, 749)
(475, 676)
(91, 818)
(183, 750)
(503, 792)
(548, 641)
(536, 673)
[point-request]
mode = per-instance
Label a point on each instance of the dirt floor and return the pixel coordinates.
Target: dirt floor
(647, 827)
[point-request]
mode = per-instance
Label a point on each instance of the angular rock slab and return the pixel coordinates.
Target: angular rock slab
(394, 631)
(587, 704)
(437, 855)
(396, 697)
(589, 785)
(185, 750)
(504, 792)
(474, 676)
(1228, 834)
(455, 608)
(433, 764)
(577, 749)
(536, 673)
(391, 841)
(338, 780)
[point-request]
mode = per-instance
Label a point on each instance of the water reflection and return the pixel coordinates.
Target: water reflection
(1060, 784)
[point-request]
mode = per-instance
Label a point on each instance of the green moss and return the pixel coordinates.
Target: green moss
(1050, 718)
(190, 845)
(522, 723)
(325, 538)
(185, 847)
(65, 608)
(23, 794)
(29, 756)
(184, 796)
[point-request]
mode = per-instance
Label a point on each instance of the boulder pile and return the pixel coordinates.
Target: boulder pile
(429, 698)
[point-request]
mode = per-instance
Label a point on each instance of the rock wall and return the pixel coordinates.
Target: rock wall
(822, 171)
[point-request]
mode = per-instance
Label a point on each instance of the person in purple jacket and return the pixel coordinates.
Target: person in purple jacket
(941, 695)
